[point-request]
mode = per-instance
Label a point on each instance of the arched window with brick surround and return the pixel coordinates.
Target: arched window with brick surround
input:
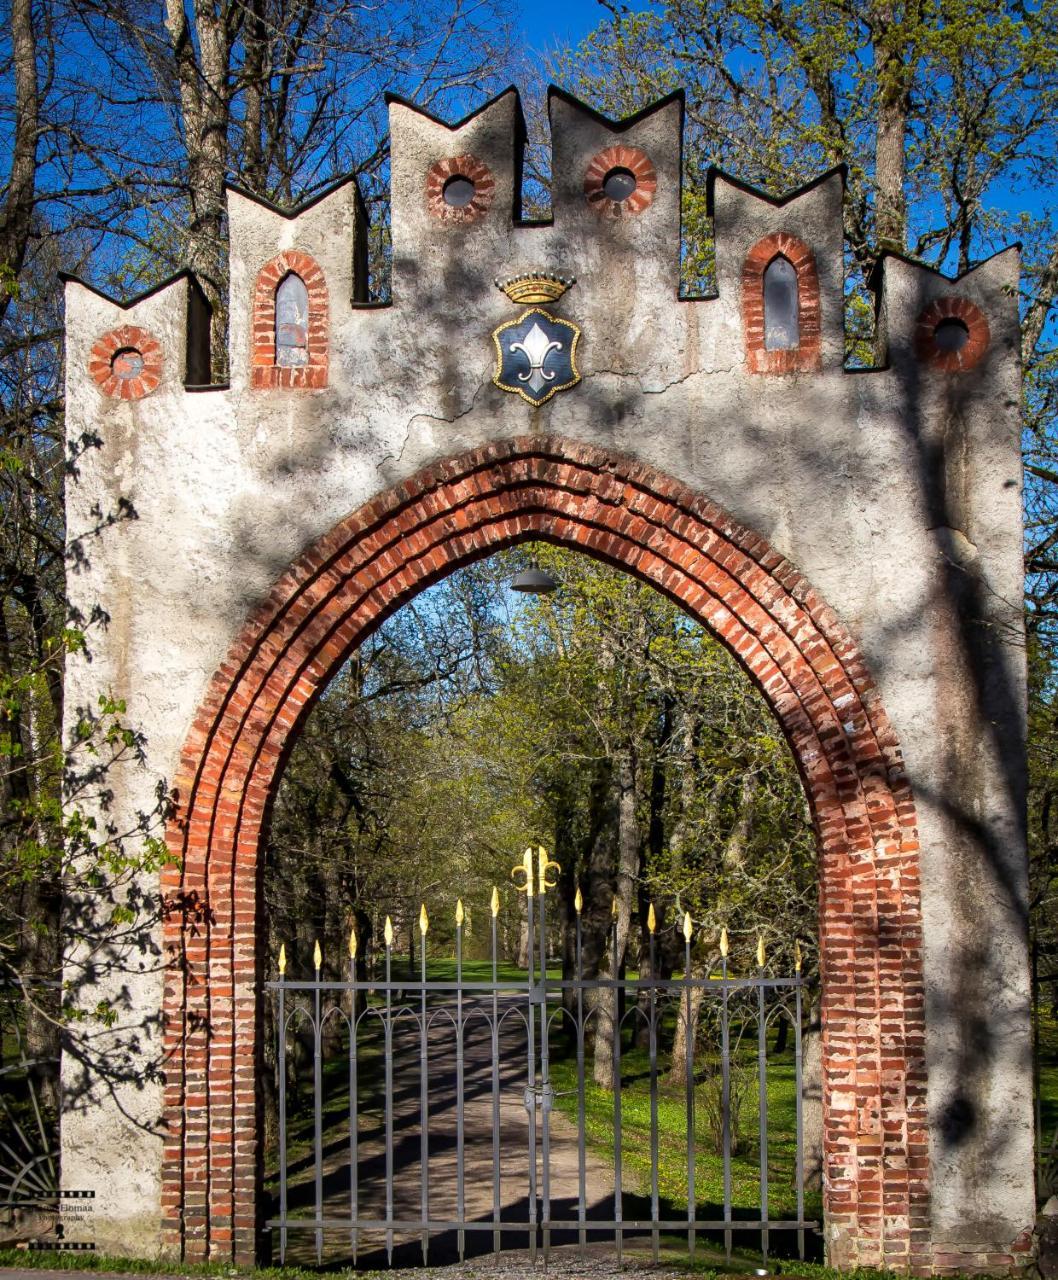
(290, 323)
(780, 306)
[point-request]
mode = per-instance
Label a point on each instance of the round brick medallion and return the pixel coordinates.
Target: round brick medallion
(459, 189)
(619, 181)
(126, 363)
(952, 335)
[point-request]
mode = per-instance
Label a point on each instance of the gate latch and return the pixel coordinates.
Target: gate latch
(542, 1096)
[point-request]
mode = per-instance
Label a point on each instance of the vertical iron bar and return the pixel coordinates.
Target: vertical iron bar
(460, 1201)
(531, 1073)
(354, 1120)
(424, 1110)
(317, 1114)
(582, 1193)
(388, 1043)
(616, 1049)
(688, 1066)
(800, 1123)
(495, 1098)
(655, 1208)
(282, 1060)
(762, 1077)
(545, 1074)
(725, 1100)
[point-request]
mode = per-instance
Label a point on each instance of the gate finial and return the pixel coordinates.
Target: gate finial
(544, 865)
(725, 946)
(652, 920)
(352, 944)
(317, 957)
(760, 951)
(424, 920)
(460, 913)
(688, 928)
(578, 901)
(387, 932)
(526, 869)
(797, 955)
(495, 904)
(282, 958)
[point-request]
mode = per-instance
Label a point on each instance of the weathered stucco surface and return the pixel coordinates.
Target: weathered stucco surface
(897, 492)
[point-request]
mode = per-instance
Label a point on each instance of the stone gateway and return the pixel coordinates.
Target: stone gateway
(853, 536)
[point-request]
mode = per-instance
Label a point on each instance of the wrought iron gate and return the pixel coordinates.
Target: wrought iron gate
(385, 1173)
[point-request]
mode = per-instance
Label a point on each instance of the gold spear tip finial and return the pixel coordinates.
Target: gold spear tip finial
(797, 955)
(460, 913)
(688, 928)
(760, 951)
(282, 958)
(387, 932)
(352, 944)
(652, 920)
(317, 956)
(725, 945)
(578, 901)
(613, 907)
(495, 901)
(424, 920)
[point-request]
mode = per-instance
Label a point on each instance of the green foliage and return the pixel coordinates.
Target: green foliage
(56, 831)
(481, 722)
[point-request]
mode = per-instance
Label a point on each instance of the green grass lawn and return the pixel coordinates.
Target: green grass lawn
(635, 1108)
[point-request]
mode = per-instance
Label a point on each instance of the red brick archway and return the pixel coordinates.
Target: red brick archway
(792, 645)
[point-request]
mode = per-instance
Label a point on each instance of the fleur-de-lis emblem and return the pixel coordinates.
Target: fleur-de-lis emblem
(536, 355)
(537, 347)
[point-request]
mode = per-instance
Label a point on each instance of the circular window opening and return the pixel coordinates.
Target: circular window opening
(126, 364)
(951, 335)
(619, 184)
(458, 191)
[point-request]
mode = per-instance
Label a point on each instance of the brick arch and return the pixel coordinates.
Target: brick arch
(264, 372)
(794, 648)
(806, 357)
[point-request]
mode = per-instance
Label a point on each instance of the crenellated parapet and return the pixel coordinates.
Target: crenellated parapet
(614, 226)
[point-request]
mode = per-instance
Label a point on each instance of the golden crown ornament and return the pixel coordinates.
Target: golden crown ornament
(536, 286)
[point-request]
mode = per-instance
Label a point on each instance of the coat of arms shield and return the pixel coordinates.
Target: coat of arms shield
(536, 355)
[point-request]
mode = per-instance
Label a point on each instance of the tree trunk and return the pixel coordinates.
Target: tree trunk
(655, 847)
(890, 155)
(782, 1034)
(646, 969)
(203, 66)
(16, 223)
(812, 1099)
(628, 844)
(681, 1062)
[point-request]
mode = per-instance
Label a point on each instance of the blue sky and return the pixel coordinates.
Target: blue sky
(545, 23)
